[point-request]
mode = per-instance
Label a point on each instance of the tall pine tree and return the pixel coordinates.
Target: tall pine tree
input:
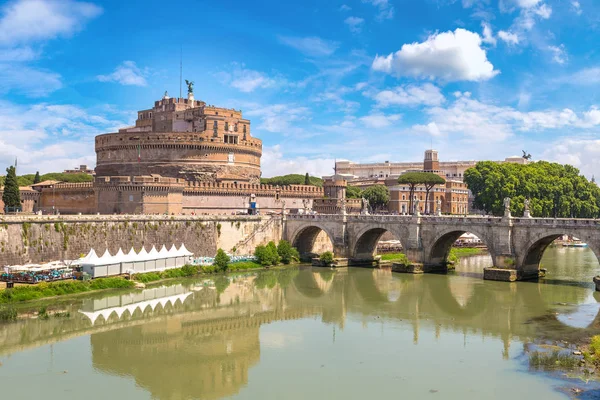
(11, 195)
(306, 179)
(37, 178)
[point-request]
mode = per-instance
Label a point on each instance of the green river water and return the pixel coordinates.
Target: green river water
(309, 333)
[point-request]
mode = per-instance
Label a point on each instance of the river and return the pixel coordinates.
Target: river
(308, 333)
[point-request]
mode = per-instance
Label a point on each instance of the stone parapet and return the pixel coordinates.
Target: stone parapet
(237, 189)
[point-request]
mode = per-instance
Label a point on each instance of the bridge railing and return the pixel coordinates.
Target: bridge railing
(571, 222)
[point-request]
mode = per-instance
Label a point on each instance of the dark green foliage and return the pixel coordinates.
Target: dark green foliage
(327, 258)
(243, 265)
(353, 192)
(36, 178)
(221, 260)
(286, 252)
(292, 179)
(378, 196)
(555, 190)
(11, 195)
(307, 179)
(183, 272)
(554, 360)
(267, 255)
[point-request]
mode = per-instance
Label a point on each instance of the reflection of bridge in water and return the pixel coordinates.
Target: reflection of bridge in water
(188, 340)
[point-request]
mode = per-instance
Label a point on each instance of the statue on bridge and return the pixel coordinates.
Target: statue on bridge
(526, 212)
(417, 209)
(438, 208)
(365, 206)
(507, 207)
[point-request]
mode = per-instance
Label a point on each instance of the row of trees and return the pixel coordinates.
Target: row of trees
(28, 179)
(555, 190)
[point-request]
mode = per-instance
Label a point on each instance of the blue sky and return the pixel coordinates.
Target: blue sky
(365, 80)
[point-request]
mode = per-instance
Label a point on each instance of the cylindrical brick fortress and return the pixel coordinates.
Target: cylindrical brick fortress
(178, 155)
(183, 138)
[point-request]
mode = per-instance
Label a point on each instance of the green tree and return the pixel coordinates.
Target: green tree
(37, 178)
(378, 196)
(554, 190)
(286, 252)
(267, 255)
(11, 195)
(327, 258)
(221, 261)
(430, 180)
(353, 192)
(306, 179)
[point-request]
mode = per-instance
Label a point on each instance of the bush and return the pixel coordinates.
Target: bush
(286, 252)
(327, 258)
(221, 261)
(243, 265)
(267, 255)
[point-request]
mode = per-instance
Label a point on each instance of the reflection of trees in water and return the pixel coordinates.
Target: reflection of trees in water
(266, 279)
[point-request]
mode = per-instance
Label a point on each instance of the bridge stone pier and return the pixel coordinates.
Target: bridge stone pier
(516, 245)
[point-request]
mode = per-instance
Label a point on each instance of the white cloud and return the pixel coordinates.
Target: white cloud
(544, 11)
(34, 20)
(355, 24)
(430, 129)
(586, 76)
(580, 152)
(247, 80)
(576, 6)
(559, 55)
(379, 120)
(449, 56)
(386, 10)
(311, 46)
(488, 35)
(345, 7)
(490, 123)
(273, 163)
(508, 37)
(426, 94)
(50, 138)
(279, 118)
(29, 81)
(126, 74)
(527, 3)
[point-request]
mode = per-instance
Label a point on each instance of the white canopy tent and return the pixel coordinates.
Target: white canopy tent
(132, 262)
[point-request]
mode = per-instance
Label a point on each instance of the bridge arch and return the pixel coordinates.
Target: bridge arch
(363, 244)
(437, 251)
(531, 251)
(305, 237)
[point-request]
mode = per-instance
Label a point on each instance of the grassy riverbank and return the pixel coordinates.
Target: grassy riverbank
(44, 290)
(193, 270)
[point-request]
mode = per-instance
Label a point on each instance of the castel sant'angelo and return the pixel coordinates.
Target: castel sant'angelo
(181, 157)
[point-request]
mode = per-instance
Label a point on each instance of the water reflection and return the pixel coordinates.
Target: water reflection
(202, 339)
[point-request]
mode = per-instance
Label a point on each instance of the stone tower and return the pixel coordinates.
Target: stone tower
(335, 187)
(431, 162)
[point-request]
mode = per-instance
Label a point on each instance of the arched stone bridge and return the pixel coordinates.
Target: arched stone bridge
(516, 245)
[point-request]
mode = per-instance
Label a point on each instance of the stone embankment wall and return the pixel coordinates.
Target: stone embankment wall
(37, 239)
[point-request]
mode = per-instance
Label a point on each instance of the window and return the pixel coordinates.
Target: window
(230, 158)
(215, 124)
(226, 126)
(244, 128)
